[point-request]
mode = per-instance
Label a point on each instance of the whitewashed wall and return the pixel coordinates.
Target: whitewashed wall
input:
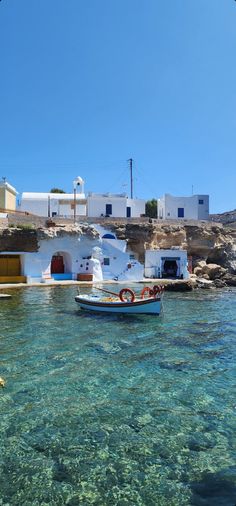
(79, 257)
(155, 258)
(38, 265)
(96, 206)
(39, 205)
(34, 206)
(137, 207)
(168, 207)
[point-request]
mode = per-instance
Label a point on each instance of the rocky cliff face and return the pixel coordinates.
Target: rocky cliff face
(14, 239)
(213, 243)
(204, 241)
(26, 238)
(228, 218)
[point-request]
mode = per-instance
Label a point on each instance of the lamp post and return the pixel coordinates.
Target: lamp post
(74, 203)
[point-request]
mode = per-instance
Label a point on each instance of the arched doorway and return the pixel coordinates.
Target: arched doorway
(61, 266)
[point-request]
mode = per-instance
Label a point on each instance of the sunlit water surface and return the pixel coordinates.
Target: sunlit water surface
(112, 410)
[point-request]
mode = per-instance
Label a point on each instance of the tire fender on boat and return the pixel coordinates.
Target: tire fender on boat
(158, 289)
(147, 291)
(126, 291)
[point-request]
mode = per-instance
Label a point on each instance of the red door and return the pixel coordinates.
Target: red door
(57, 265)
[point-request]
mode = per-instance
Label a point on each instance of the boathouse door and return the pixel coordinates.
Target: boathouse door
(10, 265)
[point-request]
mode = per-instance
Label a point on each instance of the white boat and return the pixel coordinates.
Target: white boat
(123, 304)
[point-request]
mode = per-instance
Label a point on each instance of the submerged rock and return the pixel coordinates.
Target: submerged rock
(2, 382)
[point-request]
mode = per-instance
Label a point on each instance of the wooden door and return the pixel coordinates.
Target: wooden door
(10, 265)
(57, 265)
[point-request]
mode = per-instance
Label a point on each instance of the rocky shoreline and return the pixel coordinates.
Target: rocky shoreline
(211, 246)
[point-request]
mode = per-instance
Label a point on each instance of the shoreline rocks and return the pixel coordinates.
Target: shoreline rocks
(211, 246)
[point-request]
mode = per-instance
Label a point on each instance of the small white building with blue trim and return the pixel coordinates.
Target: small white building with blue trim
(114, 206)
(166, 263)
(195, 207)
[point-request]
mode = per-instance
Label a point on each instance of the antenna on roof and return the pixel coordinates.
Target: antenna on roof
(4, 179)
(192, 189)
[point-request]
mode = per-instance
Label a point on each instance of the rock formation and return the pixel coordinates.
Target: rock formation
(212, 246)
(26, 238)
(204, 241)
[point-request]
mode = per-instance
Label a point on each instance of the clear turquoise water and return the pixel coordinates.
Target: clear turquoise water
(112, 410)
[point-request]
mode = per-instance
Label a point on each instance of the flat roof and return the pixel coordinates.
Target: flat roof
(4, 184)
(57, 196)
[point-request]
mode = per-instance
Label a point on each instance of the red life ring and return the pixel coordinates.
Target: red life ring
(148, 291)
(125, 291)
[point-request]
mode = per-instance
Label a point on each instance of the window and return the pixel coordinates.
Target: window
(180, 212)
(106, 261)
(108, 236)
(201, 201)
(128, 212)
(108, 208)
(168, 214)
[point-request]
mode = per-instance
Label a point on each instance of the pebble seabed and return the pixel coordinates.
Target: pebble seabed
(117, 410)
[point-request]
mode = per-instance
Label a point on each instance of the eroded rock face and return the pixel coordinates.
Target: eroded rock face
(208, 242)
(68, 230)
(15, 239)
(27, 239)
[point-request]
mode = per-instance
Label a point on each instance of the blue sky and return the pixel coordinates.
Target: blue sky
(86, 84)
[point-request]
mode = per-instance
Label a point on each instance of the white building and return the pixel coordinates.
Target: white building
(71, 256)
(115, 206)
(57, 258)
(195, 207)
(93, 206)
(117, 263)
(56, 204)
(166, 263)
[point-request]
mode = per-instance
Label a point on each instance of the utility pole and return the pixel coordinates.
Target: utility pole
(74, 203)
(131, 176)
